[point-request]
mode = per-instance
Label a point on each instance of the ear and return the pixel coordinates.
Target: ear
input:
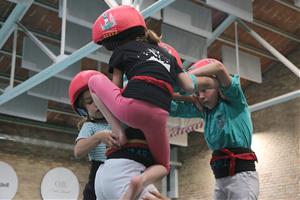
(222, 95)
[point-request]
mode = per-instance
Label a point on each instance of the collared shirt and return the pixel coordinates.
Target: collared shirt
(88, 129)
(228, 124)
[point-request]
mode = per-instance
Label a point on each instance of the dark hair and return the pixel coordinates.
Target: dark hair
(81, 122)
(80, 103)
(136, 33)
(150, 37)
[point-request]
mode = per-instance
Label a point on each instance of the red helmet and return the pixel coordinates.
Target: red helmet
(79, 84)
(171, 51)
(202, 63)
(116, 20)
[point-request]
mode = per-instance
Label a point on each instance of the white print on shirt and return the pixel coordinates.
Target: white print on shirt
(220, 121)
(154, 55)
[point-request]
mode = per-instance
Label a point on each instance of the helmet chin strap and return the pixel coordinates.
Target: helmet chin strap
(82, 112)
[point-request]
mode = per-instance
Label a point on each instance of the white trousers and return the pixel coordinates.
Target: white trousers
(113, 178)
(241, 186)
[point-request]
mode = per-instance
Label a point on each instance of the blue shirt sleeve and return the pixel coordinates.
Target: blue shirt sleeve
(234, 93)
(184, 110)
(85, 131)
(88, 129)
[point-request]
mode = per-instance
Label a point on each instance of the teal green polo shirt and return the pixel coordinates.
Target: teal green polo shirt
(227, 125)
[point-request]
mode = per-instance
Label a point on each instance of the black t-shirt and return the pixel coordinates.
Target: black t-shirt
(144, 59)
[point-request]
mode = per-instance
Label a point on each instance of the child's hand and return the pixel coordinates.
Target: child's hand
(197, 103)
(155, 196)
(108, 138)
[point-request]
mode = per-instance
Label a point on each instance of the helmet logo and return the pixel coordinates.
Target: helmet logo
(109, 21)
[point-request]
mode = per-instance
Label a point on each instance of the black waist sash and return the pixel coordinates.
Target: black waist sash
(229, 161)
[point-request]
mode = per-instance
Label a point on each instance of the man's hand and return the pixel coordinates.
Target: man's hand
(197, 103)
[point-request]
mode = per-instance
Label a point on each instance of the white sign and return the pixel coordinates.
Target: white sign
(8, 181)
(180, 127)
(60, 183)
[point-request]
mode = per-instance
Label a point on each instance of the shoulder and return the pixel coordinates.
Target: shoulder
(101, 126)
(234, 92)
(86, 130)
(96, 126)
(234, 84)
(87, 125)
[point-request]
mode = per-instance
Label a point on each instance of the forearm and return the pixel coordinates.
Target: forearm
(207, 83)
(153, 174)
(85, 145)
(208, 70)
(186, 82)
(179, 97)
(184, 110)
(191, 83)
(216, 69)
(117, 78)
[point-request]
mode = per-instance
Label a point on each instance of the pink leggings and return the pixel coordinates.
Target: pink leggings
(139, 114)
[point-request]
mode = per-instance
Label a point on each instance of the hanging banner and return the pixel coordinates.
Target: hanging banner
(180, 127)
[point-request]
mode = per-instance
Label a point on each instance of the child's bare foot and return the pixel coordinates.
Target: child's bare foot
(134, 188)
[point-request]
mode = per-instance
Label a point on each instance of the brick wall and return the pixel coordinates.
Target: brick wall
(277, 134)
(195, 176)
(31, 163)
(276, 141)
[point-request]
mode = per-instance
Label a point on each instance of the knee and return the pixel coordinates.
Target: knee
(96, 81)
(168, 168)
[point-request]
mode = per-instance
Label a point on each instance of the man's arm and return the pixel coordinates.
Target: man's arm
(214, 69)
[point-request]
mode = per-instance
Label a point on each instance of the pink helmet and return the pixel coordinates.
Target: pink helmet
(116, 20)
(202, 63)
(79, 84)
(171, 51)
